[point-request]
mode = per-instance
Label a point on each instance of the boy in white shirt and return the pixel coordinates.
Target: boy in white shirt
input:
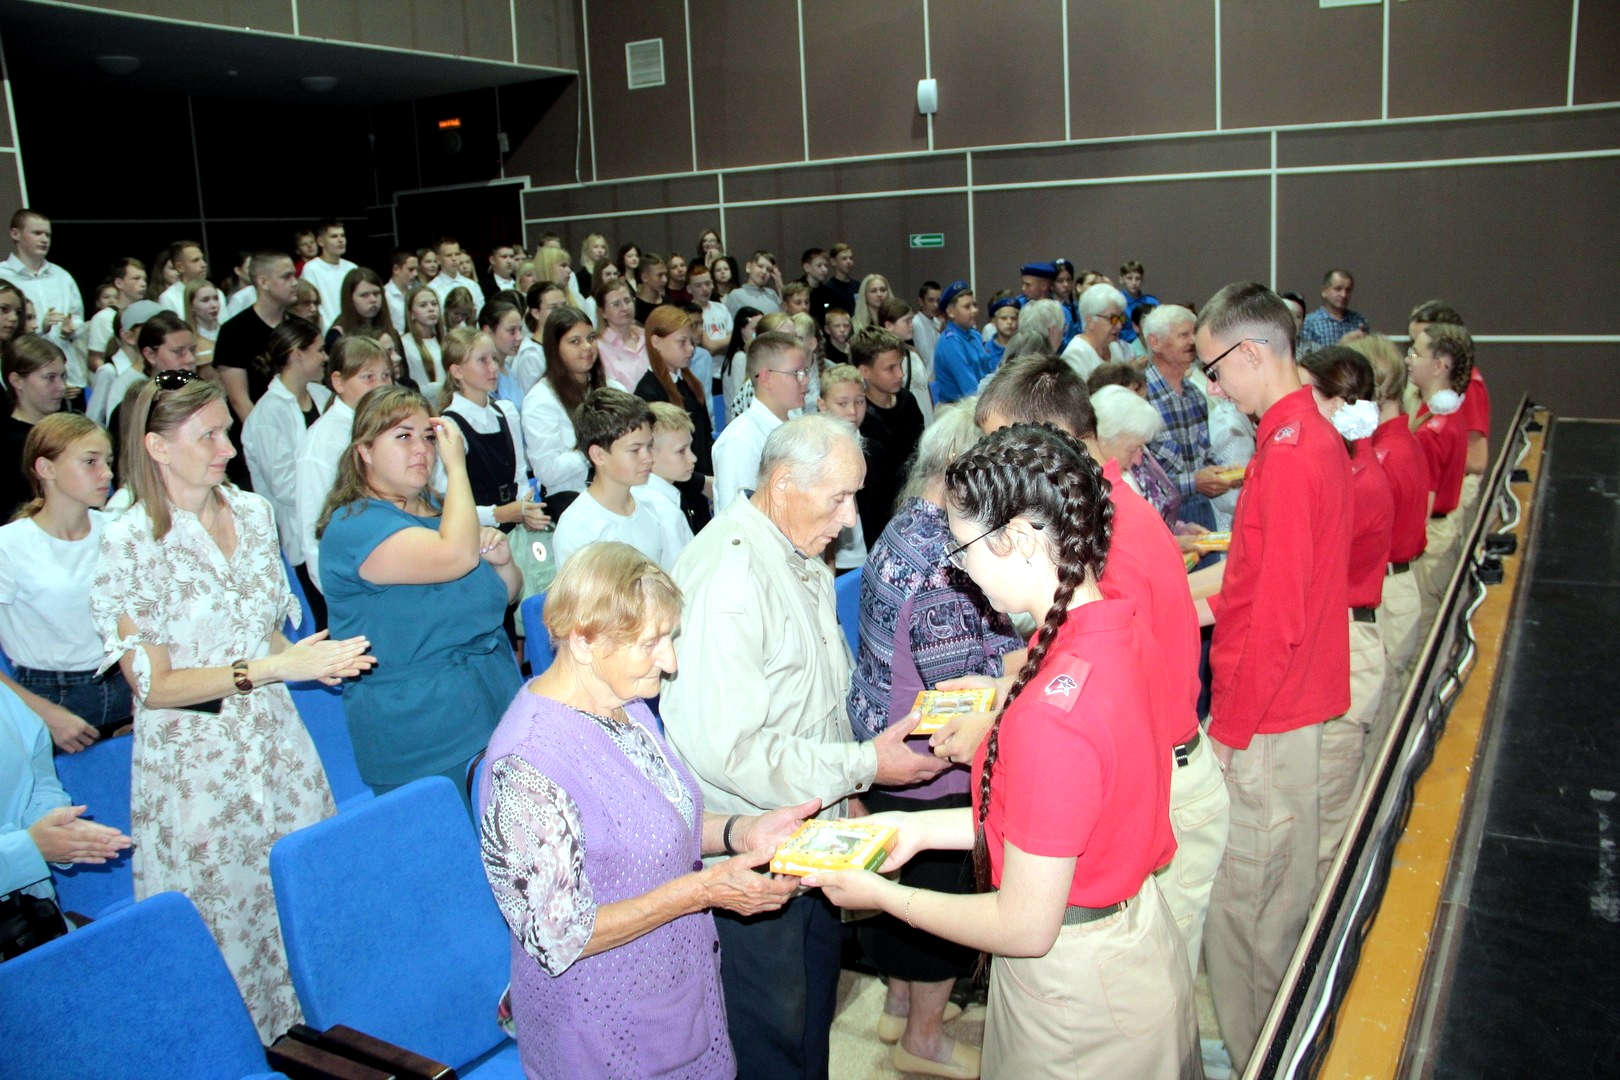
(129, 279)
(615, 432)
(327, 272)
(674, 462)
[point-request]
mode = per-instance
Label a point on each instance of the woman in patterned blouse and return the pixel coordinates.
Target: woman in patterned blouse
(594, 836)
(189, 598)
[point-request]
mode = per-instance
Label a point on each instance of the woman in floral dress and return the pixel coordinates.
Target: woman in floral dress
(189, 598)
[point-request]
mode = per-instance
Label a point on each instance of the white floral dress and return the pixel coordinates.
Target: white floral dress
(211, 792)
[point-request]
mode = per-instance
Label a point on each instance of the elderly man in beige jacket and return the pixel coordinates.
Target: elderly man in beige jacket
(756, 711)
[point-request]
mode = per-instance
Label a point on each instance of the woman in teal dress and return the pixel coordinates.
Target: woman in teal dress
(429, 585)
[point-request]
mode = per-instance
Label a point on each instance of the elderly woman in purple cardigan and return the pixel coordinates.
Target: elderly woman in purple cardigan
(593, 841)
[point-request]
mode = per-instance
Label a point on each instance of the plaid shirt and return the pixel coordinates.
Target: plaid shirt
(1321, 328)
(1183, 447)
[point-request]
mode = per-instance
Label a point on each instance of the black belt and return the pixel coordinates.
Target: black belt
(1364, 614)
(1438, 516)
(1076, 916)
(1398, 568)
(1183, 752)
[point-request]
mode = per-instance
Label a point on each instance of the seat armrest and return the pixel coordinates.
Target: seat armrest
(303, 1061)
(370, 1050)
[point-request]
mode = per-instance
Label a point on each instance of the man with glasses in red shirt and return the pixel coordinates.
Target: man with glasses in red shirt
(1280, 656)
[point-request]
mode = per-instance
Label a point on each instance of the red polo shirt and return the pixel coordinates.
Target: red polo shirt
(1083, 766)
(1145, 566)
(1407, 470)
(1476, 406)
(1445, 444)
(1372, 508)
(1281, 650)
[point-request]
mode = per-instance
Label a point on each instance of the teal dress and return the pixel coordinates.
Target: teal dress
(445, 672)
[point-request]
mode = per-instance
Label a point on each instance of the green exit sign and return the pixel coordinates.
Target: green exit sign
(927, 239)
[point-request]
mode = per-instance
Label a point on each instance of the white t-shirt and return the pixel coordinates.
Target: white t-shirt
(45, 617)
(99, 332)
(417, 370)
(444, 284)
(329, 280)
(174, 299)
(717, 321)
(319, 451)
(550, 442)
(737, 452)
(1084, 359)
(649, 529)
(529, 364)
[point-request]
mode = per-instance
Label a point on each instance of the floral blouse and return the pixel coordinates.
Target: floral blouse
(534, 846)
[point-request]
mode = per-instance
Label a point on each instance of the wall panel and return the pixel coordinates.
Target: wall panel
(1290, 62)
(546, 33)
(1100, 227)
(999, 67)
(1467, 234)
(1597, 52)
(878, 229)
(1549, 133)
(273, 15)
(862, 62)
(1455, 56)
(745, 54)
(1571, 380)
(1145, 158)
(1139, 69)
(639, 132)
(662, 233)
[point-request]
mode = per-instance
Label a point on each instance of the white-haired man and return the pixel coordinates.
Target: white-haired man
(757, 712)
(1183, 449)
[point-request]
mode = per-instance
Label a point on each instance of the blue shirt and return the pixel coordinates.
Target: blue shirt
(960, 361)
(1128, 331)
(28, 790)
(1321, 328)
(1183, 447)
(445, 672)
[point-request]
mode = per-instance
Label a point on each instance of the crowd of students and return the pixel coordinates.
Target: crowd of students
(1223, 528)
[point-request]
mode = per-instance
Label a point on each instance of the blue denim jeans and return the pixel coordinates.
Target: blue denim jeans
(103, 702)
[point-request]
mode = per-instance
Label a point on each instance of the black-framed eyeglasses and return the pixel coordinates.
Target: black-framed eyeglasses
(1209, 368)
(174, 380)
(957, 555)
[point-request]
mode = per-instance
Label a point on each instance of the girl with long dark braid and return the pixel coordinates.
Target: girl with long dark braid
(1070, 813)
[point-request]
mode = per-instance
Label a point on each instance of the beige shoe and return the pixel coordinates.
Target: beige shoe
(890, 1028)
(964, 1063)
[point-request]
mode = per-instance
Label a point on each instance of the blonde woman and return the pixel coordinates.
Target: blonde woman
(189, 599)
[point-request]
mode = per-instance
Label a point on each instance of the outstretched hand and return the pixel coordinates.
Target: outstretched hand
(735, 886)
(770, 830)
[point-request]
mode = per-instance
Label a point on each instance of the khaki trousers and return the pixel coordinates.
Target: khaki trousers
(1402, 630)
(1198, 817)
(1267, 880)
(1111, 998)
(1438, 561)
(1344, 743)
(1468, 502)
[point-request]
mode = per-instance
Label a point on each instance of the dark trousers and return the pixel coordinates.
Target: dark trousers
(780, 976)
(313, 597)
(102, 701)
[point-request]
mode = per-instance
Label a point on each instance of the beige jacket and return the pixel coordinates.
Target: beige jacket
(756, 709)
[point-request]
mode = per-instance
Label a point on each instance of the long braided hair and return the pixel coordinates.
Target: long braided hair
(1045, 476)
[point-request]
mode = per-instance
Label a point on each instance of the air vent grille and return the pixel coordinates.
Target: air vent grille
(645, 62)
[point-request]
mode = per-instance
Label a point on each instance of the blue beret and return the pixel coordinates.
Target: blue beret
(1039, 269)
(951, 292)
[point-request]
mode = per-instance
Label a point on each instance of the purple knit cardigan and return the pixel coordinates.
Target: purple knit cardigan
(652, 1007)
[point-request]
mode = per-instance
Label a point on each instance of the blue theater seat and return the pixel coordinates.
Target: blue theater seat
(141, 993)
(847, 591)
(391, 928)
(98, 777)
(321, 709)
(536, 640)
